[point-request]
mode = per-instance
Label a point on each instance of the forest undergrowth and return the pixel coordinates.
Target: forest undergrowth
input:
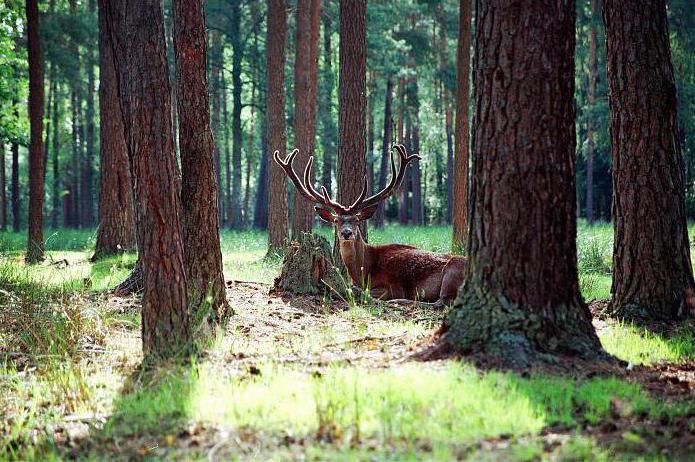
(314, 378)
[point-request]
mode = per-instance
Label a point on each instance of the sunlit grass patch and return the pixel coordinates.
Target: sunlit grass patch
(638, 345)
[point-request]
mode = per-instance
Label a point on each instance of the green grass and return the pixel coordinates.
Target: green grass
(411, 411)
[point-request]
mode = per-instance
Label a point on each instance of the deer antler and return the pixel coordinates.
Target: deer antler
(306, 189)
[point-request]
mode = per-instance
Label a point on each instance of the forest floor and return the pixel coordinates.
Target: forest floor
(309, 378)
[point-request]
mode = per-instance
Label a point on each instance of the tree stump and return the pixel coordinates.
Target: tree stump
(308, 268)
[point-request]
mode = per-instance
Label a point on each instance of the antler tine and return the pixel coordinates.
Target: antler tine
(322, 198)
(358, 202)
(396, 177)
(287, 166)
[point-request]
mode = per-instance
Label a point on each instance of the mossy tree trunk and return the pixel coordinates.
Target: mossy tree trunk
(308, 268)
(521, 301)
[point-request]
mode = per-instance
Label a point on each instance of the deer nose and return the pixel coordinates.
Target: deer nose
(346, 233)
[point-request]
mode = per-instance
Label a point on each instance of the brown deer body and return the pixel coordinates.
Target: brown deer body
(393, 271)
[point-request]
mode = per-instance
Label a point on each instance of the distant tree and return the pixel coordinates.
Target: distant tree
(520, 301)
(88, 159)
(460, 163)
(328, 129)
(385, 149)
(201, 234)
(352, 101)
(35, 244)
(237, 218)
(277, 136)
(55, 164)
(3, 185)
(116, 231)
(260, 209)
(137, 35)
(14, 181)
(591, 100)
(414, 147)
(652, 271)
(305, 87)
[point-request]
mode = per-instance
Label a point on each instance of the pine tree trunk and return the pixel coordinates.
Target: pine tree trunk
(400, 138)
(352, 101)
(55, 163)
(237, 219)
(201, 234)
(216, 61)
(260, 210)
(3, 186)
(416, 173)
(370, 135)
(305, 86)
(459, 213)
(277, 135)
(14, 186)
(137, 36)
(521, 301)
(226, 212)
(449, 163)
(35, 244)
(591, 100)
(652, 272)
(116, 231)
(326, 106)
(380, 214)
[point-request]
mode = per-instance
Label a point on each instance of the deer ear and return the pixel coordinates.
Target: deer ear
(367, 213)
(325, 214)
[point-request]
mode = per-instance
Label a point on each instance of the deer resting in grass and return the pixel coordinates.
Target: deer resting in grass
(393, 272)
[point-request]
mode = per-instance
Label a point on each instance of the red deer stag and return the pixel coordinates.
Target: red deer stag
(393, 271)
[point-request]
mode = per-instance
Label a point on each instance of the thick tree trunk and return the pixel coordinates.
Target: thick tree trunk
(237, 219)
(116, 231)
(521, 300)
(35, 244)
(216, 77)
(277, 136)
(201, 234)
(459, 214)
(379, 216)
(136, 30)
(260, 209)
(326, 106)
(352, 101)
(652, 272)
(305, 86)
(591, 100)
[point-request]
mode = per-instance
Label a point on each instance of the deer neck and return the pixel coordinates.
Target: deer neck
(355, 257)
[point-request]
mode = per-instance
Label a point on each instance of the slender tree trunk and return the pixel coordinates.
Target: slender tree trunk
(459, 215)
(415, 170)
(216, 62)
(137, 36)
(591, 99)
(400, 138)
(3, 186)
(326, 106)
(520, 301)
(35, 244)
(55, 162)
(380, 214)
(275, 111)
(47, 110)
(201, 234)
(305, 86)
(88, 165)
(652, 271)
(249, 153)
(116, 231)
(450, 175)
(260, 210)
(14, 186)
(226, 212)
(237, 221)
(370, 134)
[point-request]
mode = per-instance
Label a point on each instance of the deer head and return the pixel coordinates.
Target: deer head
(345, 219)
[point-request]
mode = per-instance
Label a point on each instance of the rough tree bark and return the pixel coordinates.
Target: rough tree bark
(201, 233)
(136, 29)
(277, 136)
(35, 244)
(216, 76)
(459, 213)
(385, 150)
(305, 86)
(116, 232)
(652, 272)
(521, 301)
(352, 101)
